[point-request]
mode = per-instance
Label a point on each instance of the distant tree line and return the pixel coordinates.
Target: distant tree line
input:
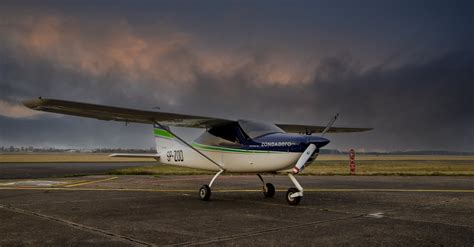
(31, 149)
(421, 152)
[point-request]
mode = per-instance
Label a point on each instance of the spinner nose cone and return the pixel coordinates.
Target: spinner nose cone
(318, 141)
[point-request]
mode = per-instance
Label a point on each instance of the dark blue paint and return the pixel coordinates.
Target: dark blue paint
(274, 140)
(300, 142)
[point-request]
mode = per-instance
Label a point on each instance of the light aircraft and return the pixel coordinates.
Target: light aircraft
(240, 146)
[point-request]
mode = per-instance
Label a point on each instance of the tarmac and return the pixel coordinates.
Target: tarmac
(165, 210)
(42, 170)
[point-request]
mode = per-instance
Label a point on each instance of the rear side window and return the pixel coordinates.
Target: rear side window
(227, 132)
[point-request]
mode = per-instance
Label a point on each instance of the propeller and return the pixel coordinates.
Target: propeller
(304, 158)
(309, 151)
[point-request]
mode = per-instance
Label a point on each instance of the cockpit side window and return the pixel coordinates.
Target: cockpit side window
(229, 132)
(255, 129)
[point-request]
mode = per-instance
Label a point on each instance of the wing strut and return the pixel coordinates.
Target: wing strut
(193, 148)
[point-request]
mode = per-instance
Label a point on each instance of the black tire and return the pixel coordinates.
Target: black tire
(295, 200)
(269, 191)
(205, 193)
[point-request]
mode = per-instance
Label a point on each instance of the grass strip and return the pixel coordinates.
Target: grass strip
(334, 167)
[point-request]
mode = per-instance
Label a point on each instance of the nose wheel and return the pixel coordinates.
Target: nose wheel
(292, 196)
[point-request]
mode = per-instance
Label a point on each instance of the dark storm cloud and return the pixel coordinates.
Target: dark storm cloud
(294, 64)
(427, 105)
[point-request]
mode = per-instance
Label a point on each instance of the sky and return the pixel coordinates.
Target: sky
(404, 68)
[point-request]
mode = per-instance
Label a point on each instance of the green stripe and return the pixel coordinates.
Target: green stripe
(163, 133)
(235, 150)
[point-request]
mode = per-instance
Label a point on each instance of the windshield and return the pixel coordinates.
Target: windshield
(256, 129)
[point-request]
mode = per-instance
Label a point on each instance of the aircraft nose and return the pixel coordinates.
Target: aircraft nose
(318, 141)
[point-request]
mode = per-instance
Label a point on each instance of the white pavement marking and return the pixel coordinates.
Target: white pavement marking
(377, 215)
(38, 183)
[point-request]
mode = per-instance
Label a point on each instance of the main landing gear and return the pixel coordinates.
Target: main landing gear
(293, 195)
(268, 188)
(205, 190)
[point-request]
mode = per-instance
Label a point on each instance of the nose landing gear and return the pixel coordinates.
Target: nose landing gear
(294, 195)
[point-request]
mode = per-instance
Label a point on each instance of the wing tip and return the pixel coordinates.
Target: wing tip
(33, 103)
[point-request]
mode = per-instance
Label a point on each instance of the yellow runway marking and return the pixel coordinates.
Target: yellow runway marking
(391, 190)
(96, 189)
(180, 179)
(90, 182)
(233, 190)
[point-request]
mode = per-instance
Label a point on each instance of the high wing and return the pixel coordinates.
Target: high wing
(295, 128)
(110, 113)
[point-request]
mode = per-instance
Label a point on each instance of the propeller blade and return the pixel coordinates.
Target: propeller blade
(304, 158)
(330, 124)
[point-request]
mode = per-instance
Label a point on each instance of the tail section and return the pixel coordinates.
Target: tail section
(173, 150)
(164, 139)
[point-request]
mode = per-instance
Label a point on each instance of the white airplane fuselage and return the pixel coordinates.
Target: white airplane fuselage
(231, 161)
(242, 160)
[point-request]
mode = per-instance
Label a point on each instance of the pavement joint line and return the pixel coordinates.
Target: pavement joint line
(252, 234)
(73, 187)
(262, 232)
(76, 225)
(385, 215)
(90, 182)
(299, 206)
(423, 206)
(427, 221)
(424, 221)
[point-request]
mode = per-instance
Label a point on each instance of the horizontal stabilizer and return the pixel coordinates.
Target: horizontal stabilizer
(154, 156)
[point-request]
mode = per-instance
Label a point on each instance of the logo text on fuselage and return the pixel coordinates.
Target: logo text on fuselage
(277, 144)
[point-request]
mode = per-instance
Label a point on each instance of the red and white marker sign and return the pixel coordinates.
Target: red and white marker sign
(352, 164)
